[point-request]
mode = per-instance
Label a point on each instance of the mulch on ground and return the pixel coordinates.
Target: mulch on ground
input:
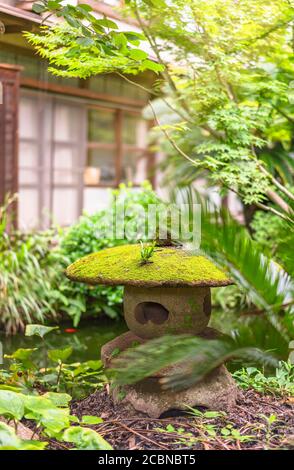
(256, 422)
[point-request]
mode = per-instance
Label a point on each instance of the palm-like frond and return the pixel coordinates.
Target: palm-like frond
(279, 160)
(269, 287)
(230, 246)
(197, 356)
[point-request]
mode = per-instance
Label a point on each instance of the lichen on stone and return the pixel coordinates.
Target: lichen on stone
(122, 265)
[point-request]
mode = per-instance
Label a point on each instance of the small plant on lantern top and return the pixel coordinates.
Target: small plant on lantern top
(147, 252)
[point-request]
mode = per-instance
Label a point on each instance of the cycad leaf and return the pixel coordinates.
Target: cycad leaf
(268, 286)
(198, 357)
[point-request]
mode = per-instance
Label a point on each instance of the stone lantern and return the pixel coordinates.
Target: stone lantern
(170, 294)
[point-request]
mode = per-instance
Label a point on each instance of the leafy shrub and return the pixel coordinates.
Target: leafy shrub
(20, 397)
(88, 236)
(10, 441)
(33, 286)
(51, 414)
(232, 298)
(282, 383)
(274, 236)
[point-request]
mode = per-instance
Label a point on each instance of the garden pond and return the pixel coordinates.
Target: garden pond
(86, 340)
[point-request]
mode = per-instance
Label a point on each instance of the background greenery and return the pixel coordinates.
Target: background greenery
(32, 280)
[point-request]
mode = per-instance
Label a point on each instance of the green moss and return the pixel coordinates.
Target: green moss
(170, 267)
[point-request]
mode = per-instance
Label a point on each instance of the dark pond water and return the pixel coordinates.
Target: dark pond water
(86, 341)
(87, 338)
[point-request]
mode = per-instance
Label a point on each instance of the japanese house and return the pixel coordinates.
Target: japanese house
(64, 142)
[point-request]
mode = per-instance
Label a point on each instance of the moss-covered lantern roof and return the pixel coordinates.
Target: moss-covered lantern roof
(170, 267)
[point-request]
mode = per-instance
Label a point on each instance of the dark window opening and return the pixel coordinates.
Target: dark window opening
(151, 311)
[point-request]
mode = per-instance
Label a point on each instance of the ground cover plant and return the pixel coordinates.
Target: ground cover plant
(67, 406)
(257, 422)
(42, 395)
(282, 383)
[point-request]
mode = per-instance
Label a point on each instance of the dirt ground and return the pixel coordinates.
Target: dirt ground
(256, 422)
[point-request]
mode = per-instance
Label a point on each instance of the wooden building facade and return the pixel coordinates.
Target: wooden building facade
(64, 142)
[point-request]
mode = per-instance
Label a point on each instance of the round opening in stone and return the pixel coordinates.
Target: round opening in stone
(151, 311)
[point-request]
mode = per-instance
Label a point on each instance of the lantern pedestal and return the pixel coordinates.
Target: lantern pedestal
(216, 391)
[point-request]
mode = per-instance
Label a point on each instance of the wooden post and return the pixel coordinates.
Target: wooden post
(119, 147)
(9, 101)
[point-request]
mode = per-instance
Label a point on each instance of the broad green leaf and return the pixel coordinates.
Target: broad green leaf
(86, 419)
(39, 330)
(11, 388)
(85, 42)
(85, 7)
(137, 54)
(154, 66)
(8, 438)
(74, 419)
(212, 414)
(53, 4)
(47, 414)
(120, 40)
(37, 404)
(156, 3)
(55, 421)
(38, 8)
(58, 399)
(33, 445)
(10, 441)
(134, 36)
(107, 23)
(21, 354)
(62, 355)
(87, 366)
(92, 364)
(85, 439)
(11, 404)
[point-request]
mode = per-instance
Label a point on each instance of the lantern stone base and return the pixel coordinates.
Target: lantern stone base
(217, 391)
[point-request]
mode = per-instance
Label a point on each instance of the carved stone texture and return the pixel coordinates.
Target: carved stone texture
(156, 311)
(217, 391)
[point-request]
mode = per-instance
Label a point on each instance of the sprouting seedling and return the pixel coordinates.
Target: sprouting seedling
(147, 251)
